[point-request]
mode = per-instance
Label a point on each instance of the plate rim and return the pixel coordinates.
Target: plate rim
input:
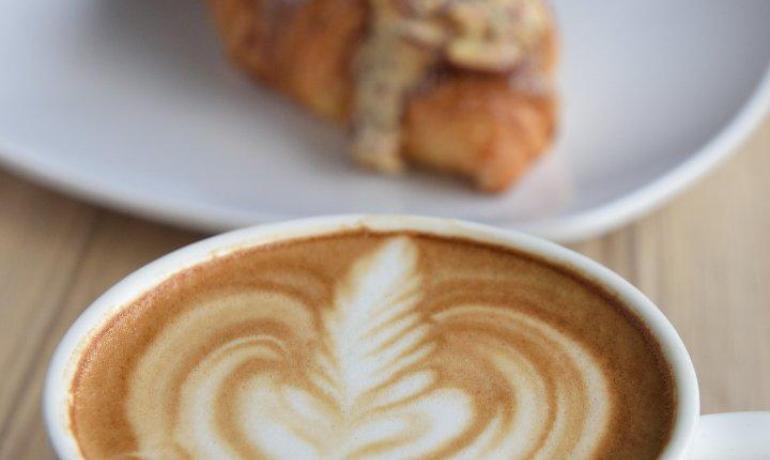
(574, 227)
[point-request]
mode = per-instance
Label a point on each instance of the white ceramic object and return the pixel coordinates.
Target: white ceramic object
(739, 436)
(732, 436)
(130, 103)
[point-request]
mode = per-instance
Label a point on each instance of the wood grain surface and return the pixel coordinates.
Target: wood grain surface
(703, 258)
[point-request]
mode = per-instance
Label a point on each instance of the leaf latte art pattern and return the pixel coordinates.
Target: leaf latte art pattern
(371, 346)
(374, 383)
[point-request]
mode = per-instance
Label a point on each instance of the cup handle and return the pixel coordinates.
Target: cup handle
(732, 436)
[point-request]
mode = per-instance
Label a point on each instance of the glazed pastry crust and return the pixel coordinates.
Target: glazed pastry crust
(487, 127)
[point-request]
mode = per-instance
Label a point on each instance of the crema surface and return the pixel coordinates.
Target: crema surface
(364, 345)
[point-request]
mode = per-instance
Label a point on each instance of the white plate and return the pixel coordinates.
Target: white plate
(130, 103)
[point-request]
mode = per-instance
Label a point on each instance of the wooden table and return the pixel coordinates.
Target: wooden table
(704, 258)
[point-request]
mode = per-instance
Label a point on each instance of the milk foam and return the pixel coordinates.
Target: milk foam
(368, 380)
(372, 347)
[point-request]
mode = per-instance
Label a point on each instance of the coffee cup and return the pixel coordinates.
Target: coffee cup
(389, 242)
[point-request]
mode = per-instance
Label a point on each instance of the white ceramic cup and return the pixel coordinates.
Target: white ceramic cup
(725, 436)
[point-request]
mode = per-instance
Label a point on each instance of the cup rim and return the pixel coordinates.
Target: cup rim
(56, 397)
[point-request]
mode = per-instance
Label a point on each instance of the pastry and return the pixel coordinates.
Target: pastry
(461, 86)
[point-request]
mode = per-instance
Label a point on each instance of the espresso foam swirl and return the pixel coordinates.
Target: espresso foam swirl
(261, 371)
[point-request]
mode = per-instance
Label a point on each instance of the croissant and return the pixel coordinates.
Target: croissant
(460, 86)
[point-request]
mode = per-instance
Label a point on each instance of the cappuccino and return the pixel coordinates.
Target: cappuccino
(373, 345)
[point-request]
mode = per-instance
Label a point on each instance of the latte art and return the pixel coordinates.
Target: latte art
(385, 355)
